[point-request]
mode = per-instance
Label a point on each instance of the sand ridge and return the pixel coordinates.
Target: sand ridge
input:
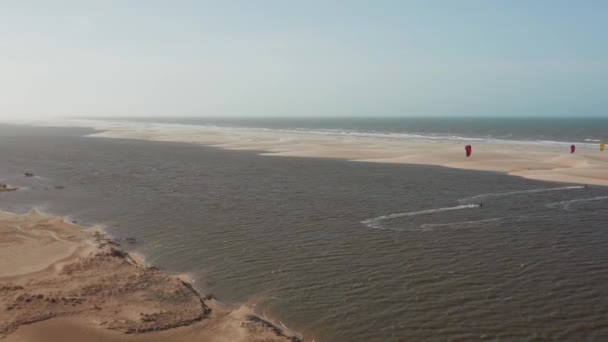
(552, 162)
(63, 282)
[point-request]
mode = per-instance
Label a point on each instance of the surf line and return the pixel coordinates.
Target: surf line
(518, 192)
(566, 204)
(375, 222)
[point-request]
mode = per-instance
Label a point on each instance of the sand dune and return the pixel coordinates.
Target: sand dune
(61, 282)
(535, 161)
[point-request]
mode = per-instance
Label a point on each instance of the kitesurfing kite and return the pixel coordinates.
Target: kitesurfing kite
(572, 148)
(468, 149)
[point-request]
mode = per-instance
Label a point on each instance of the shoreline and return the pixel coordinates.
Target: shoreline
(553, 163)
(67, 321)
(68, 275)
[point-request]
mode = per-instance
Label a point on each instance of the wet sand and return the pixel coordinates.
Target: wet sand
(534, 161)
(63, 282)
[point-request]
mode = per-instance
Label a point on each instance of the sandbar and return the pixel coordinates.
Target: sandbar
(549, 162)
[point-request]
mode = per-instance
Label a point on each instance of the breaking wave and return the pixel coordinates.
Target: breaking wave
(566, 204)
(518, 192)
(376, 221)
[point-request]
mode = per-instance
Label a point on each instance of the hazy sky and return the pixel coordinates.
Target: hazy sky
(304, 58)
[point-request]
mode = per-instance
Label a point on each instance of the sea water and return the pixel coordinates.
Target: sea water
(489, 129)
(339, 250)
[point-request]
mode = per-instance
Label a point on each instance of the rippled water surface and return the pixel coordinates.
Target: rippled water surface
(342, 251)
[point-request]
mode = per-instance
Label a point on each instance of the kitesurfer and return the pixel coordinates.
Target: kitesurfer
(481, 204)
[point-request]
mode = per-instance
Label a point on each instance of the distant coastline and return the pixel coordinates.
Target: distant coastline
(551, 161)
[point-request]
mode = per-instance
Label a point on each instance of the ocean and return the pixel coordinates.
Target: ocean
(339, 250)
(527, 130)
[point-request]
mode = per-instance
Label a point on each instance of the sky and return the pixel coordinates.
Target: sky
(303, 58)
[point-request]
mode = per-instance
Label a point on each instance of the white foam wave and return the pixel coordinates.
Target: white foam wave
(518, 192)
(375, 222)
(171, 128)
(566, 204)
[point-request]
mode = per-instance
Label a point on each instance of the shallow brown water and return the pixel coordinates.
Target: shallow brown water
(342, 251)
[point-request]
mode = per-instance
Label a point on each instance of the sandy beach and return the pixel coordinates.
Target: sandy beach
(63, 282)
(550, 162)
(336, 171)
